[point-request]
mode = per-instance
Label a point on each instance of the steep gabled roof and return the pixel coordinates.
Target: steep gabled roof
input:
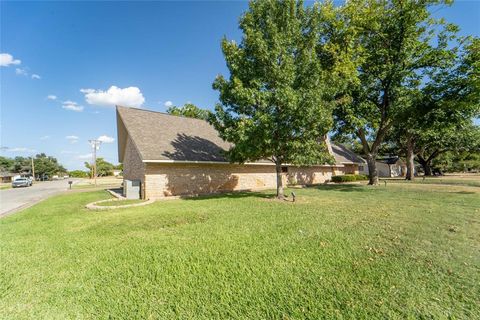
(343, 155)
(160, 136)
(164, 137)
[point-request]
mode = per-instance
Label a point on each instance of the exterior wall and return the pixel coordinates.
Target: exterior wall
(383, 169)
(351, 169)
(164, 180)
(133, 167)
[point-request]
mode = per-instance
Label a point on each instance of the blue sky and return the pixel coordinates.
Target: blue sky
(89, 55)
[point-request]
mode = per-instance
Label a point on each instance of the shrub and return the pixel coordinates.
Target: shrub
(360, 177)
(349, 178)
(78, 174)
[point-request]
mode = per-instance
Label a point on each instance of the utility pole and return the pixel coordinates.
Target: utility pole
(33, 169)
(95, 145)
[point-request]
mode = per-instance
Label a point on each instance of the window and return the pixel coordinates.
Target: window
(285, 169)
(360, 168)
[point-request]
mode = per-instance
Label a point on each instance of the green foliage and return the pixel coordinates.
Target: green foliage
(349, 178)
(104, 168)
(78, 174)
(47, 165)
(339, 252)
(189, 110)
(44, 165)
(277, 102)
(391, 46)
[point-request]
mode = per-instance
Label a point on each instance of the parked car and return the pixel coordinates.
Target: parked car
(21, 182)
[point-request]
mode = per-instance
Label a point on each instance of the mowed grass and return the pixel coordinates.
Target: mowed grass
(342, 251)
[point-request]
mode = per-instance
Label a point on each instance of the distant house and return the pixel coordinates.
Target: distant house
(166, 155)
(391, 167)
(6, 177)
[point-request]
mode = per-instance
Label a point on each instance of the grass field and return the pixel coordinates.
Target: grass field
(119, 203)
(341, 251)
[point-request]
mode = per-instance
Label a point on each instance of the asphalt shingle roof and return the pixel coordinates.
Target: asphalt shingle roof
(161, 136)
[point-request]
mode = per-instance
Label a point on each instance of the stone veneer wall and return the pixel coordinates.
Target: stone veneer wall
(163, 180)
(133, 167)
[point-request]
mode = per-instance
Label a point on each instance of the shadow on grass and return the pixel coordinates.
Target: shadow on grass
(231, 195)
(465, 192)
(342, 187)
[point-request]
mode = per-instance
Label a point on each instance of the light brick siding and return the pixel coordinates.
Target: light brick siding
(133, 167)
(351, 169)
(163, 180)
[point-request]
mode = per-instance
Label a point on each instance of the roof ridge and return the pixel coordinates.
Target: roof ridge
(160, 112)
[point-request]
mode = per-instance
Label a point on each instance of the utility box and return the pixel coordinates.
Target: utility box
(131, 189)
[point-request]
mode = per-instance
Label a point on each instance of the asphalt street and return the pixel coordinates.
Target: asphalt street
(11, 200)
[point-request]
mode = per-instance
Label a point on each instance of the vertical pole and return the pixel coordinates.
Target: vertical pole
(33, 169)
(95, 162)
(95, 144)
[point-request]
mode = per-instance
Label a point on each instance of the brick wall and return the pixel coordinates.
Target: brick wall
(133, 167)
(163, 180)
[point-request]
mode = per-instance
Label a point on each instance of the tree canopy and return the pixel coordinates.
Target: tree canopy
(189, 110)
(104, 168)
(392, 46)
(277, 102)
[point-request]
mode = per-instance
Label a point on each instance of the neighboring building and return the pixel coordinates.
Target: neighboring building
(6, 177)
(117, 172)
(166, 155)
(391, 167)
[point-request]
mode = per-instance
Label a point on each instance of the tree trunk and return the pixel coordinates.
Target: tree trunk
(410, 163)
(427, 168)
(280, 193)
(372, 169)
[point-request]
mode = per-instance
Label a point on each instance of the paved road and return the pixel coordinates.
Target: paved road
(12, 200)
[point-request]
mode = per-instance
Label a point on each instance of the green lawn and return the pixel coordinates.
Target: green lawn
(342, 251)
(119, 202)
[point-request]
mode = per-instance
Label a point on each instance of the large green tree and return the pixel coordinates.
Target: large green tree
(104, 168)
(391, 45)
(276, 104)
(47, 165)
(189, 110)
(438, 117)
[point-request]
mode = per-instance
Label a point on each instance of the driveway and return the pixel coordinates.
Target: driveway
(12, 200)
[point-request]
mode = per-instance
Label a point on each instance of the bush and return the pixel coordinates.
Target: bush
(349, 178)
(78, 174)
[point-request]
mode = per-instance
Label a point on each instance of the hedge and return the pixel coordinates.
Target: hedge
(349, 178)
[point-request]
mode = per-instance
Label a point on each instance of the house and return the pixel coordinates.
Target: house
(165, 155)
(6, 177)
(391, 167)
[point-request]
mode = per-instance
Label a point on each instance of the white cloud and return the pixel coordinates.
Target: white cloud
(68, 152)
(7, 59)
(72, 105)
(21, 72)
(20, 149)
(52, 97)
(44, 137)
(129, 97)
(106, 139)
(72, 139)
(168, 103)
(36, 76)
(85, 156)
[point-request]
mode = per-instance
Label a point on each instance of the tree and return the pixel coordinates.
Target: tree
(189, 110)
(276, 104)
(6, 164)
(47, 165)
(439, 116)
(78, 174)
(391, 45)
(104, 168)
